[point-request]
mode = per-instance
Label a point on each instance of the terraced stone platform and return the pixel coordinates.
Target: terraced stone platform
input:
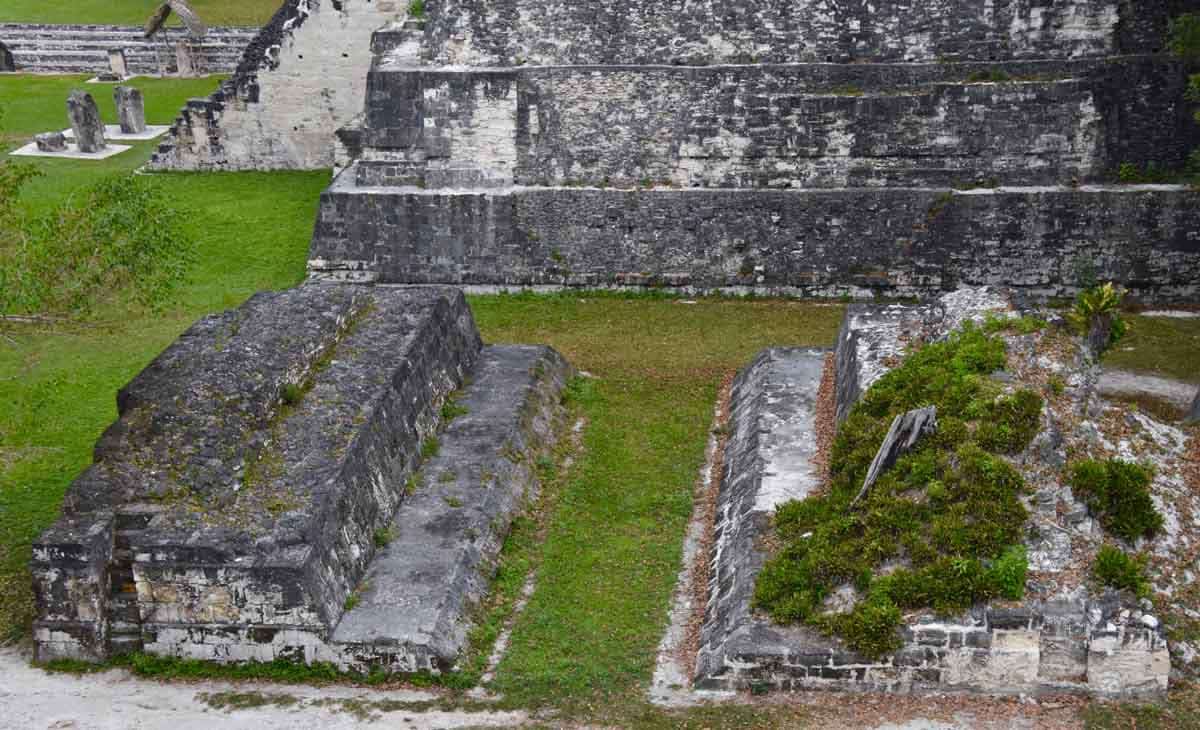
(69, 49)
(237, 504)
(777, 148)
(1062, 638)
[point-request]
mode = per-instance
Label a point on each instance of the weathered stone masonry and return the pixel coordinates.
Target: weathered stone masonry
(300, 79)
(773, 126)
(220, 510)
(269, 493)
(811, 242)
(1070, 641)
(514, 144)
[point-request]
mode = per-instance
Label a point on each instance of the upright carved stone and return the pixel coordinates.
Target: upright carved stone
(185, 60)
(131, 109)
(117, 64)
(1193, 415)
(6, 59)
(86, 122)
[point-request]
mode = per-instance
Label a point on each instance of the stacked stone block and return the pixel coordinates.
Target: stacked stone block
(269, 491)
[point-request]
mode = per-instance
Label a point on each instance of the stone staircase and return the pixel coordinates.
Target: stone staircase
(70, 49)
(787, 149)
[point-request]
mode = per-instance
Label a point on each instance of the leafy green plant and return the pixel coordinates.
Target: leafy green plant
(292, 394)
(118, 237)
(416, 9)
(1009, 571)
(1009, 423)
(383, 536)
(1118, 493)
(452, 409)
(1096, 315)
(949, 511)
(1184, 38)
(1117, 569)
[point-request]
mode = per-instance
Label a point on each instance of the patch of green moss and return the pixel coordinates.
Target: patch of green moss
(1009, 423)
(1118, 493)
(1117, 569)
(949, 511)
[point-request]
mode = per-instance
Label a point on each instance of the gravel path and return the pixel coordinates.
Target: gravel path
(32, 699)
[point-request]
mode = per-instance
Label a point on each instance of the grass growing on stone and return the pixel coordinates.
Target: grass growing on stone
(1118, 493)
(949, 511)
(58, 385)
(133, 12)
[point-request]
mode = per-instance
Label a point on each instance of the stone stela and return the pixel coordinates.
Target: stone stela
(131, 109)
(86, 122)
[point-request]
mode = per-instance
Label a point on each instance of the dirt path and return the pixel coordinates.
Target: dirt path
(32, 699)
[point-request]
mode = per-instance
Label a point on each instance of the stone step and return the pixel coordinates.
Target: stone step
(414, 606)
(861, 242)
(84, 49)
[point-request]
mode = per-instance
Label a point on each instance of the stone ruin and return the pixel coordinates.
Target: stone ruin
(285, 482)
(131, 109)
(7, 64)
(269, 491)
(1066, 635)
(50, 142)
(894, 149)
(118, 67)
(86, 122)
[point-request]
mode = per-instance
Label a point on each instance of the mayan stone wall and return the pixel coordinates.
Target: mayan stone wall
(777, 126)
(904, 242)
(298, 82)
(540, 32)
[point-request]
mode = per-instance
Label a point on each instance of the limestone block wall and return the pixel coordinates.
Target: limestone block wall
(776, 126)
(1068, 639)
(300, 80)
(893, 242)
(541, 32)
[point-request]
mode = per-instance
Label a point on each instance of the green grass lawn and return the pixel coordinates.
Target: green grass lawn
(133, 12)
(588, 637)
(1159, 346)
(33, 103)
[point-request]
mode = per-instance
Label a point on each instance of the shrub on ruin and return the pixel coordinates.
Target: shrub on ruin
(1117, 569)
(1097, 316)
(1117, 492)
(119, 239)
(946, 519)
